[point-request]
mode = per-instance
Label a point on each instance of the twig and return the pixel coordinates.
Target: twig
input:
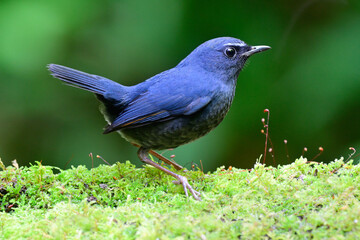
(351, 154)
(98, 156)
(321, 150)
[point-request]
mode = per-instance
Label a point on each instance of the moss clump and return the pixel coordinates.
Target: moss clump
(298, 201)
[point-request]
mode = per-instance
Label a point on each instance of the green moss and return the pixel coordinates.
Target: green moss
(298, 201)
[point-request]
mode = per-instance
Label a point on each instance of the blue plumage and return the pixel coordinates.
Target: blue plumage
(174, 107)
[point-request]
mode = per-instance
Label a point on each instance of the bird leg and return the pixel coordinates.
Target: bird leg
(143, 155)
(162, 158)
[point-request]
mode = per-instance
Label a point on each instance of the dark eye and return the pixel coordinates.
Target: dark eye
(230, 52)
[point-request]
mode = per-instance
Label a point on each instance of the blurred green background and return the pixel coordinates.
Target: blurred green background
(310, 80)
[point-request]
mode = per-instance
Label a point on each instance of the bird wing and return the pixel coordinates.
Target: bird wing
(160, 104)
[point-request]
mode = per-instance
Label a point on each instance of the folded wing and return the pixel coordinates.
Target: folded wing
(151, 107)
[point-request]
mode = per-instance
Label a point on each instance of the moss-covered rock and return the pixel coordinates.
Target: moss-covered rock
(302, 200)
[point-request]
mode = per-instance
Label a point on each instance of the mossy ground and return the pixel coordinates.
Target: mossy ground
(298, 201)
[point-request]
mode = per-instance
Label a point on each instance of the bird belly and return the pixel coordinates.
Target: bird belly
(180, 130)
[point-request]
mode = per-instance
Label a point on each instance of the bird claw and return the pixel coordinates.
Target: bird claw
(184, 182)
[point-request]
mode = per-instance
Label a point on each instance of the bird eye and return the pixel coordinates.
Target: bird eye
(230, 52)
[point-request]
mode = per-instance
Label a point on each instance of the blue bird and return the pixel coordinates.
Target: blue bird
(174, 107)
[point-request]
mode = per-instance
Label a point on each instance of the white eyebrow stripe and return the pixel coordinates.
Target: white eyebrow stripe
(235, 44)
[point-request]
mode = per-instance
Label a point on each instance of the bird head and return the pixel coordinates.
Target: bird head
(225, 56)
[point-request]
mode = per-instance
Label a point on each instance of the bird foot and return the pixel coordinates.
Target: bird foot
(184, 182)
(143, 156)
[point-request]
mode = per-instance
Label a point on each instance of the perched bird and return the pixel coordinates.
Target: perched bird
(174, 107)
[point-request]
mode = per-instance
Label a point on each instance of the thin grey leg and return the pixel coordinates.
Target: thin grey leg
(162, 158)
(143, 155)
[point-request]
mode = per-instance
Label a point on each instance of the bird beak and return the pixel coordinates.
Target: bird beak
(256, 49)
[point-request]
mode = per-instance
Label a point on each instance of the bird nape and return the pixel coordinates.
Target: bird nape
(174, 107)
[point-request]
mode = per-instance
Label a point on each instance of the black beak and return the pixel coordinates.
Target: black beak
(256, 49)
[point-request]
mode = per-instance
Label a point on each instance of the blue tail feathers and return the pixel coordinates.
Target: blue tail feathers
(93, 83)
(113, 95)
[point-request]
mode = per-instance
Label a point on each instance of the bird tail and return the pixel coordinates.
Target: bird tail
(92, 83)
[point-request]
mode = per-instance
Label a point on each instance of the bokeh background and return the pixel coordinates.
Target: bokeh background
(310, 80)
